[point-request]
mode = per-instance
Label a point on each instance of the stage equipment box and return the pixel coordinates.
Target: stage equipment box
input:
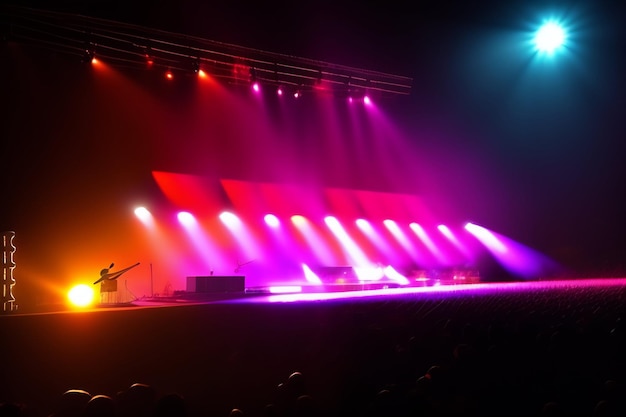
(216, 284)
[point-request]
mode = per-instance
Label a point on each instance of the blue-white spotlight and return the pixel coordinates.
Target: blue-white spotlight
(550, 37)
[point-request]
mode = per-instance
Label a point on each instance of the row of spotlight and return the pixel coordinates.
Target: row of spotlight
(255, 86)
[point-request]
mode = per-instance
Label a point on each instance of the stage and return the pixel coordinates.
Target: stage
(373, 291)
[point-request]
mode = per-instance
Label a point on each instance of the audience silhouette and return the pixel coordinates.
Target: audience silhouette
(499, 355)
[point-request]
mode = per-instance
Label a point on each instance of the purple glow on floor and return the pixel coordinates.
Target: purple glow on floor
(417, 293)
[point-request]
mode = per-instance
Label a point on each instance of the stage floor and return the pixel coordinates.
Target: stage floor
(369, 291)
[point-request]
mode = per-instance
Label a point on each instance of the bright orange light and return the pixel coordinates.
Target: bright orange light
(81, 295)
(202, 74)
(169, 75)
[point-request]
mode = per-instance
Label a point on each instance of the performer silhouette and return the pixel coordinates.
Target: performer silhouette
(105, 275)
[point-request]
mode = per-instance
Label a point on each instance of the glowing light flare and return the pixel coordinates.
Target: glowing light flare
(367, 101)
(486, 237)
(256, 87)
(271, 220)
(298, 220)
(285, 289)
(144, 216)
(230, 220)
(169, 75)
(374, 273)
(81, 295)
(186, 218)
(354, 252)
(549, 37)
(364, 225)
(445, 231)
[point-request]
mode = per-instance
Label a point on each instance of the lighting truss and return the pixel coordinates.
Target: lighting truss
(127, 45)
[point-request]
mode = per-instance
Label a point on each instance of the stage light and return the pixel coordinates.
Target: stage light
(297, 94)
(142, 213)
(279, 91)
(254, 83)
(186, 218)
(367, 100)
(169, 75)
(197, 68)
(445, 231)
(549, 37)
(271, 220)
(229, 219)
(486, 237)
(298, 220)
(89, 56)
(148, 55)
(81, 295)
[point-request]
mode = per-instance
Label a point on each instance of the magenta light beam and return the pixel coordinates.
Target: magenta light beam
(354, 252)
(515, 257)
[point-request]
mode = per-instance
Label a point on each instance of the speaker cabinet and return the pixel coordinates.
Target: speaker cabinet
(216, 284)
